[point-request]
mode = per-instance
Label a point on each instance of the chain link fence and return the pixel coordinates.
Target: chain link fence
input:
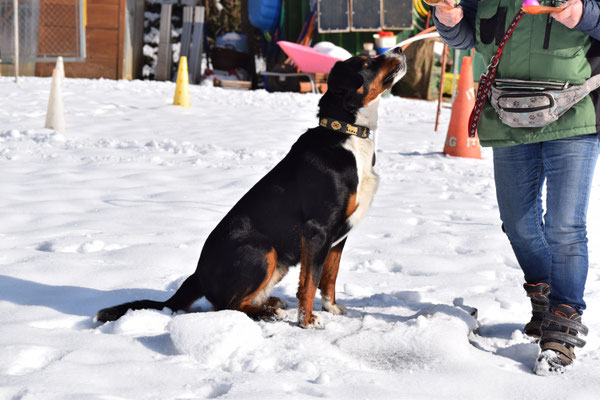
(47, 29)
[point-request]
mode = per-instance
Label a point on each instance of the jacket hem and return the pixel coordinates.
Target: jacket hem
(586, 130)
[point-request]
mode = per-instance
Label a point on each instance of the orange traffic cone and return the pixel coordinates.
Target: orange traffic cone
(458, 142)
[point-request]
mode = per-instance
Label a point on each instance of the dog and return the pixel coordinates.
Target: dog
(300, 212)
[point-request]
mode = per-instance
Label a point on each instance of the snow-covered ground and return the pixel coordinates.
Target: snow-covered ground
(118, 207)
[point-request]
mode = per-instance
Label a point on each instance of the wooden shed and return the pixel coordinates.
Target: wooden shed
(114, 32)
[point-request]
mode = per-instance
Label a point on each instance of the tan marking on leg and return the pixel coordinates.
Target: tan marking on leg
(330, 272)
(328, 279)
(257, 310)
(307, 289)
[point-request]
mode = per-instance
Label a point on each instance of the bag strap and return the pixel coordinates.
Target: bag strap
(592, 84)
(486, 80)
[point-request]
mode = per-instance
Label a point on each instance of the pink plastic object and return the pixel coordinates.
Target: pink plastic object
(308, 59)
(527, 3)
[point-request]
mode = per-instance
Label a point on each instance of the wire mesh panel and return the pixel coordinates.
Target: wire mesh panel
(47, 29)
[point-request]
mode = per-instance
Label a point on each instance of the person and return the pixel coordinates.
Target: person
(552, 248)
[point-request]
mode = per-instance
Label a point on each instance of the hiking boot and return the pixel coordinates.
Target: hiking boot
(538, 293)
(560, 330)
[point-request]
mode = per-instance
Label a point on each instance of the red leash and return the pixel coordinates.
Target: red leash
(487, 79)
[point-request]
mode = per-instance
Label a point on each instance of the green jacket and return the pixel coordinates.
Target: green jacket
(541, 49)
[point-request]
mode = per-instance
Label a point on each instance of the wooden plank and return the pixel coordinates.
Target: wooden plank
(163, 67)
(197, 45)
(333, 16)
(101, 68)
(232, 84)
(186, 31)
(397, 14)
(366, 15)
(103, 2)
(121, 39)
(138, 38)
(103, 16)
(103, 42)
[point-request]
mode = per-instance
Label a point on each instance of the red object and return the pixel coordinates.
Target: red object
(458, 143)
(541, 9)
(487, 79)
(308, 59)
(385, 33)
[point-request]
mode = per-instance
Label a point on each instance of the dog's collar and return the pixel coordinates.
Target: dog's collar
(344, 127)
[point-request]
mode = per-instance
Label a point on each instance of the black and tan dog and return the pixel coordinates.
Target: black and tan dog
(300, 212)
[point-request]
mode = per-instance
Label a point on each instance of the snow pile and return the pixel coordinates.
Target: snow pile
(139, 323)
(214, 338)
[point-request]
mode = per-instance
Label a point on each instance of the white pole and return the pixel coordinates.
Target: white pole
(16, 24)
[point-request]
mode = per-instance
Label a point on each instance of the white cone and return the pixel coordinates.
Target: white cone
(61, 67)
(55, 116)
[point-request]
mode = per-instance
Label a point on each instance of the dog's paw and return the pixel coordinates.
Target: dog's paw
(336, 309)
(279, 314)
(314, 322)
(276, 302)
(273, 314)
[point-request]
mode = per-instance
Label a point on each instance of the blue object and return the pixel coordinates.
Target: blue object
(264, 14)
(381, 50)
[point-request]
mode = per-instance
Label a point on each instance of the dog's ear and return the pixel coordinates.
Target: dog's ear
(343, 77)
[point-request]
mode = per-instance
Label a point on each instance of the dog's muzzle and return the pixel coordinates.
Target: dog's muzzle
(398, 54)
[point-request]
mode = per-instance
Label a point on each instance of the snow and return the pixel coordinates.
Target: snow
(117, 208)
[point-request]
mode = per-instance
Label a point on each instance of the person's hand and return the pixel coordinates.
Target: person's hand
(570, 17)
(448, 13)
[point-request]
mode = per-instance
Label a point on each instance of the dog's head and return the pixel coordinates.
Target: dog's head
(354, 86)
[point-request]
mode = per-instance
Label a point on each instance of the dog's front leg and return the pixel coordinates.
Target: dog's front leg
(312, 256)
(328, 278)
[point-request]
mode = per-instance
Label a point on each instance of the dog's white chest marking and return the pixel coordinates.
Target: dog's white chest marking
(363, 150)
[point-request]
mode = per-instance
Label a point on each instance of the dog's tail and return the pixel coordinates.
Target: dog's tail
(186, 295)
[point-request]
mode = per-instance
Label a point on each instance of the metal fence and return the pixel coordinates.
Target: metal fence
(47, 29)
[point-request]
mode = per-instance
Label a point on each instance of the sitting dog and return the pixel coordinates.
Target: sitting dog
(300, 212)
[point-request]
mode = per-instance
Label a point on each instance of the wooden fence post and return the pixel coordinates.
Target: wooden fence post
(165, 54)
(197, 45)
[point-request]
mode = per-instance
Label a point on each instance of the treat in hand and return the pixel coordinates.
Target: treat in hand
(534, 7)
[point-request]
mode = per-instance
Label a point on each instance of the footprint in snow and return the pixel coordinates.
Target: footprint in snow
(28, 359)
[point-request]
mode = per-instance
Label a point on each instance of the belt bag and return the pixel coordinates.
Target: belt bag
(533, 104)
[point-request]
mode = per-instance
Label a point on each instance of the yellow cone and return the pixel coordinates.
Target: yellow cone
(182, 89)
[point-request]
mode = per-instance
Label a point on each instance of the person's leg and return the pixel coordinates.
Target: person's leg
(569, 165)
(519, 176)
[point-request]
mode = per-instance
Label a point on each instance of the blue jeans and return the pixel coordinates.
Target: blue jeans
(550, 248)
